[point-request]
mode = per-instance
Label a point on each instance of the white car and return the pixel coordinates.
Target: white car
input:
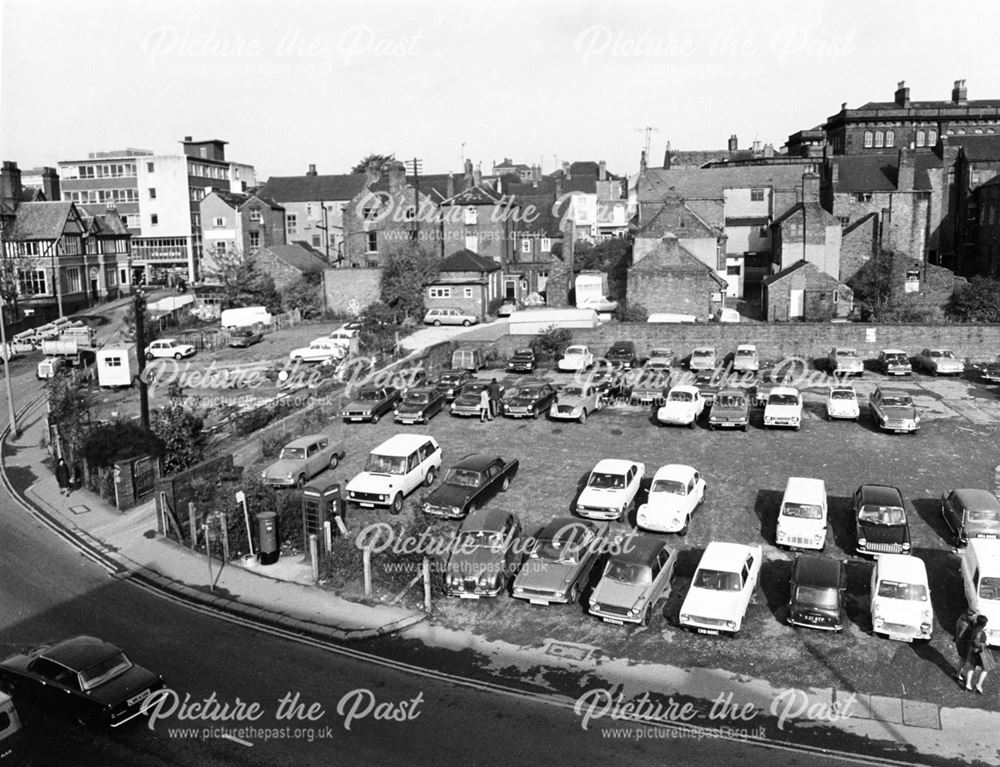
(703, 358)
(981, 577)
(721, 588)
(900, 598)
(842, 402)
(675, 492)
(784, 407)
(319, 350)
(611, 489)
(576, 358)
(438, 317)
(940, 362)
(661, 356)
(802, 517)
(168, 348)
(745, 359)
(682, 406)
(843, 360)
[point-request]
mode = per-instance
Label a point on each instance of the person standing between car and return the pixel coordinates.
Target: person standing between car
(494, 390)
(484, 406)
(963, 633)
(62, 477)
(980, 657)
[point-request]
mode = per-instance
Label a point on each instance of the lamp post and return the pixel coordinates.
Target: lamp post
(11, 414)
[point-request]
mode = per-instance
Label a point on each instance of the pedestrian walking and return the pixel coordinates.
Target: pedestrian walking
(980, 655)
(494, 390)
(484, 406)
(963, 634)
(62, 477)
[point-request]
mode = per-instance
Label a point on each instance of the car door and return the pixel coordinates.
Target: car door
(322, 457)
(631, 483)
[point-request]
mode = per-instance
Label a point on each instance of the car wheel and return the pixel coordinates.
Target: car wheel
(465, 323)
(534, 415)
(397, 504)
(647, 614)
(375, 418)
(301, 481)
(334, 461)
(505, 484)
(297, 360)
(583, 417)
(178, 356)
(687, 525)
(574, 594)
(743, 428)
(149, 357)
(691, 425)
(429, 479)
(437, 323)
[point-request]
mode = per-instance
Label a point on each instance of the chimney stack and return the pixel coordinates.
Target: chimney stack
(642, 161)
(668, 157)
(373, 171)
(810, 185)
(536, 174)
(477, 175)
(902, 95)
(50, 184)
(187, 139)
(734, 143)
(311, 171)
(468, 173)
(565, 169)
(904, 180)
(602, 171)
(834, 174)
(397, 177)
(959, 95)
(450, 190)
(10, 183)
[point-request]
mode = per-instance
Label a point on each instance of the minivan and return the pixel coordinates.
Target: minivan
(245, 316)
(467, 359)
(802, 516)
(395, 469)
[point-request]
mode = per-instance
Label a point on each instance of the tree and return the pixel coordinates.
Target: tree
(979, 301)
(380, 161)
(69, 410)
(241, 281)
(182, 434)
(613, 256)
(872, 286)
(304, 294)
(378, 328)
(118, 440)
(551, 342)
(409, 269)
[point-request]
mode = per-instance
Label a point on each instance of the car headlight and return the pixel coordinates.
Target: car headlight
(925, 628)
(456, 510)
(906, 547)
(862, 542)
(685, 618)
(383, 497)
(731, 625)
(420, 414)
(485, 580)
(576, 410)
(518, 589)
(395, 411)
(263, 475)
(634, 611)
(288, 474)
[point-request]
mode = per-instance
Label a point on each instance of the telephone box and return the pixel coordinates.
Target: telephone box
(321, 504)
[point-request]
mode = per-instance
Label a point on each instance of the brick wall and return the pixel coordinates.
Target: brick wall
(857, 246)
(350, 290)
(676, 293)
(282, 273)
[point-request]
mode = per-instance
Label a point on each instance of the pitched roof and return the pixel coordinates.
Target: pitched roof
(465, 260)
(711, 183)
(297, 257)
(313, 188)
(670, 257)
(41, 220)
(880, 172)
(943, 104)
(814, 270)
(481, 194)
(814, 212)
(109, 223)
(985, 147)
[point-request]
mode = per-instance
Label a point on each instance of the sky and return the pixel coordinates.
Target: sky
(317, 82)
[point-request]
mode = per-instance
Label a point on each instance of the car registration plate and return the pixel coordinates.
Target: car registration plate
(467, 595)
(901, 637)
(614, 621)
(989, 535)
(712, 632)
(136, 698)
(367, 505)
(357, 418)
(538, 601)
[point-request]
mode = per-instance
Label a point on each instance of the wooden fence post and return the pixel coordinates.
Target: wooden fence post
(224, 523)
(366, 559)
(427, 584)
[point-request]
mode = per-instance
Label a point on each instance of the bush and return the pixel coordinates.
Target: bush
(627, 312)
(118, 440)
(551, 342)
(979, 301)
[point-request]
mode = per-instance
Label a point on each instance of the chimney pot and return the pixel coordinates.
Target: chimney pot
(733, 143)
(312, 170)
(602, 171)
(187, 139)
(959, 93)
(902, 94)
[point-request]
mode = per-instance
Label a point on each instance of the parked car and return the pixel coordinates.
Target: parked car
(318, 350)
(990, 372)
(730, 410)
(816, 593)
(521, 361)
(622, 354)
(633, 581)
(395, 469)
(880, 521)
(484, 557)
(721, 588)
(703, 358)
(901, 598)
(558, 566)
(529, 400)
(894, 362)
(466, 403)
(611, 489)
(661, 356)
(843, 360)
(971, 514)
(682, 406)
(783, 408)
(980, 567)
(842, 402)
(419, 405)
(370, 403)
(168, 348)
(241, 338)
(438, 317)
(575, 359)
(802, 516)
(651, 385)
(745, 359)
(575, 402)
(302, 459)
(13, 744)
(894, 411)
(507, 307)
(709, 384)
(674, 494)
(940, 362)
(451, 384)
(85, 677)
(469, 484)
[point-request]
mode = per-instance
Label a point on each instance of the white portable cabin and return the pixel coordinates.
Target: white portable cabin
(245, 316)
(530, 322)
(117, 367)
(591, 288)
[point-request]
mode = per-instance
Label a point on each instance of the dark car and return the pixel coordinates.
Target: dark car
(651, 384)
(816, 593)
(466, 403)
(86, 677)
(371, 403)
(880, 520)
(622, 354)
(560, 562)
(469, 484)
(243, 337)
(708, 384)
(971, 514)
(730, 410)
(894, 362)
(990, 372)
(418, 405)
(521, 361)
(485, 556)
(450, 384)
(529, 400)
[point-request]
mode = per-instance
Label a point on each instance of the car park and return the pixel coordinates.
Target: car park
(451, 384)
(522, 361)
(816, 593)
(484, 557)
(971, 514)
(783, 408)
(844, 360)
(901, 598)
(674, 494)
(842, 402)
(634, 579)
(746, 359)
(559, 563)
(730, 410)
(466, 403)
(240, 338)
(703, 358)
(169, 348)
(802, 516)
(575, 359)
(395, 469)
(894, 362)
(611, 489)
(85, 677)
(576, 402)
(682, 406)
(880, 522)
(438, 317)
(940, 362)
(528, 399)
(318, 350)
(302, 459)
(622, 354)
(980, 569)
(721, 589)
(893, 410)
(469, 484)
(370, 403)
(419, 405)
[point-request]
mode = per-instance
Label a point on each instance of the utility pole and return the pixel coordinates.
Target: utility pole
(11, 413)
(417, 166)
(139, 307)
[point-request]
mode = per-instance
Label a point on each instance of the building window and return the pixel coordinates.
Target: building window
(203, 152)
(912, 281)
(472, 243)
(197, 195)
(921, 138)
(152, 193)
(218, 221)
(879, 139)
(317, 240)
(733, 270)
(468, 292)
(471, 215)
(863, 197)
(890, 138)
(546, 244)
(439, 292)
(931, 137)
(756, 195)
(123, 276)
(526, 245)
(73, 279)
(372, 242)
(795, 229)
(31, 282)
(868, 139)
(291, 223)
(111, 277)
(85, 171)
(836, 296)
(150, 167)
(309, 210)
(254, 240)
(154, 219)
(256, 216)
(844, 221)
(196, 219)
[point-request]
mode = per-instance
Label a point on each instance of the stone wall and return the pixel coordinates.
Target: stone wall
(350, 290)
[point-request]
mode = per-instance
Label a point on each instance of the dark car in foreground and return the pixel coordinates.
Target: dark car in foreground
(469, 484)
(880, 520)
(242, 337)
(623, 354)
(450, 384)
(971, 513)
(522, 361)
(371, 403)
(730, 410)
(466, 402)
(559, 564)
(529, 400)
(87, 678)
(484, 557)
(816, 593)
(418, 405)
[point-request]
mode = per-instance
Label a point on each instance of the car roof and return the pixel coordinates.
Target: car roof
(704, 349)
(816, 570)
(893, 351)
(881, 495)
(785, 390)
(614, 465)
(307, 439)
(639, 549)
(901, 567)
(972, 498)
(799, 486)
(843, 387)
(893, 392)
(402, 444)
(422, 390)
(559, 523)
(477, 461)
(487, 518)
(577, 346)
(80, 652)
(842, 349)
(661, 351)
(684, 387)
(524, 351)
(623, 343)
(674, 471)
(731, 391)
(722, 555)
(746, 347)
(987, 555)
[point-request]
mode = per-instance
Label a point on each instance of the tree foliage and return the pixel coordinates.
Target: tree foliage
(613, 257)
(182, 434)
(979, 301)
(409, 269)
(241, 281)
(118, 440)
(69, 409)
(627, 312)
(150, 329)
(379, 161)
(878, 301)
(378, 329)
(304, 294)
(551, 342)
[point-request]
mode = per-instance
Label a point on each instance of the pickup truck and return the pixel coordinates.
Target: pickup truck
(469, 484)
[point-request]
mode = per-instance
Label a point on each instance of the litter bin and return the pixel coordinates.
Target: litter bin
(267, 537)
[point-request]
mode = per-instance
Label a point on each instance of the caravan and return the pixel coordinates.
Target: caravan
(117, 367)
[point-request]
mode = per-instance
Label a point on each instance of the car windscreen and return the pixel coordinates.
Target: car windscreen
(842, 394)
(385, 464)
(671, 486)
(989, 588)
(605, 481)
(717, 580)
(782, 399)
(554, 550)
(625, 572)
(369, 395)
(480, 538)
(680, 396)
(521, 354)
(528, 392)
(576, 350)
(703, 353)
(882, 515)
(450, 379)
(846, 353)
(730, 401)
(941, 353)
(901, 401)
(983, 517)
(292, 453)
(745, 353)
(573, 391)
(107, 669)
(914, 592)
(802, 510)
(463, 477)
(418, 397)
(816, 596)
(896, 359)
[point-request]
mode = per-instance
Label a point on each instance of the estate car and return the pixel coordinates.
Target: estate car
(971, 514)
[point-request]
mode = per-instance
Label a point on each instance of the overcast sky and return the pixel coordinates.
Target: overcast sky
(303, 81)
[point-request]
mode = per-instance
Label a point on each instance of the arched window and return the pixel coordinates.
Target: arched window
(921, 138)
(931, 138)
(890, 138)
(868, 139)
(879, 139)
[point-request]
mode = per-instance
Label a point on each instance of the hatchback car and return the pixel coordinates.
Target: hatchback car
(730, 410)
(842, 402)
(167, 348)
(894, 411)
(783, 408)
(302, 459)
(438, 317)
(971, 514)
(940, 362)
(721, 589)
(901, 598)
(746, 360)
(611, 489)
(880, 521)
(622, 354)
(894, 362)
(674, 494)
(816, 593)
(633, 581)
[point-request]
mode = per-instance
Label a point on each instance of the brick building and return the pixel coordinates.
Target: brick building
(806, 232)
(987, 228)
(466, 281)
(243, 223)
(287, 263)
(671, 280)
(803, 291)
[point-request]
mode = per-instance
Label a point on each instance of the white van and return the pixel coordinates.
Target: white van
(395, 469)
(802, 516)
(981, 577)
(246, 316)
